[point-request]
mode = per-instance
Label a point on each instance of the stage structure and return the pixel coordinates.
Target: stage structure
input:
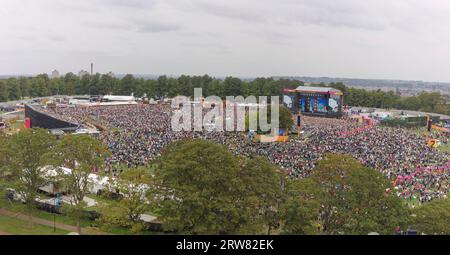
(314, 101)
(36, 118)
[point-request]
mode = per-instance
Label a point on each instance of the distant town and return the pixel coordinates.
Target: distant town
(402, 87)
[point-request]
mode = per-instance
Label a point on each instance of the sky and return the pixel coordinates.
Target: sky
(378, 39)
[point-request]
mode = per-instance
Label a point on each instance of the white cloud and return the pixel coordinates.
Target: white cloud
(403, 39)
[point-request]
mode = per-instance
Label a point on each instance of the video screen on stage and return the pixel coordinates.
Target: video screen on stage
(288, 100)
(333, 103)
(321, 104)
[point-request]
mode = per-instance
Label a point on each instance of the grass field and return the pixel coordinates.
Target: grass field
(19, 207)
(15, 226)
(85, 223)
(17, 125)
(445, 148)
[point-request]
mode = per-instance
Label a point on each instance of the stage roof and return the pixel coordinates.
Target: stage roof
(119, 98)
(321, 90)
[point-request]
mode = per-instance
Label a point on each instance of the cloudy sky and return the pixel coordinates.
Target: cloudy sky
(401, 39)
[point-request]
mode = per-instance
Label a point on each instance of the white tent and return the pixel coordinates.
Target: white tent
(119, 98)
(96, 182)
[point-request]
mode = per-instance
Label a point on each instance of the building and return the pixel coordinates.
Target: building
(314, 101)
(55, 74)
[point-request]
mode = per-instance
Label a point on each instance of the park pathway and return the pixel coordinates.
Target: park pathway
(41, 221)
(3, 233)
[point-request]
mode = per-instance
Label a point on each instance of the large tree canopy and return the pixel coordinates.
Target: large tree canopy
(82, 154)
(201, 188)
(353, 199)
(24, 155)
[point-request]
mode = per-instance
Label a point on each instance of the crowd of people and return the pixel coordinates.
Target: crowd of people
(137, 134)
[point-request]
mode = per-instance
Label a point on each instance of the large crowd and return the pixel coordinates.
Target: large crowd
(137, 134)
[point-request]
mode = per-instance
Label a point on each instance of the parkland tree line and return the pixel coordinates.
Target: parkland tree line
(164, 86)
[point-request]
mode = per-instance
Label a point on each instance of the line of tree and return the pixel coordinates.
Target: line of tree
(433, 102)
(164, 86)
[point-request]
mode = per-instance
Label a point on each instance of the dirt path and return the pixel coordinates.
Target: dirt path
(41, 221)
(3, 233)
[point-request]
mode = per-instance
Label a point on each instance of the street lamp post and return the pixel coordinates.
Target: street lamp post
(54, 215)
(55, 204)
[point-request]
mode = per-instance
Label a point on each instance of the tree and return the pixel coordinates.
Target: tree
(70, 83)
(198, 190)
(263, 187)
(55, 86)
(140, 87)
(24, 84)
(216, 88)
(161, 86)
(25, 157)
(82, 85)
(127, 85)
(301, 208)
(133, 186)
(433, 217)
(185, 85)
(3, 153)
(107, 84)
(285, 116)
(39, 87)
(233, 86)
(173, 89)
(4, 93)
(355, 199)
(81, 154)
(94, 84)
(206, 81)
(150, 88)
(14, 89)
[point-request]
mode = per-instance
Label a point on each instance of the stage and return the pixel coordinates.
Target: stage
(314, 101)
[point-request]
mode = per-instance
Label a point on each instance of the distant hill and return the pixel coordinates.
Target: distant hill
(411, 86)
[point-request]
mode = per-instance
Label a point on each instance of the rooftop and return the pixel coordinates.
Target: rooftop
(317, 89)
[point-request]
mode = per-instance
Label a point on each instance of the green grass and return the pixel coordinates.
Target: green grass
(85, 223)
(126, 231)
(445, 148)
(19, 207)
(19, 227)
(17, 124)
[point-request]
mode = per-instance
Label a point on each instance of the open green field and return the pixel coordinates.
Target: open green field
(21, 208)
(92, 226)
(15, 226)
